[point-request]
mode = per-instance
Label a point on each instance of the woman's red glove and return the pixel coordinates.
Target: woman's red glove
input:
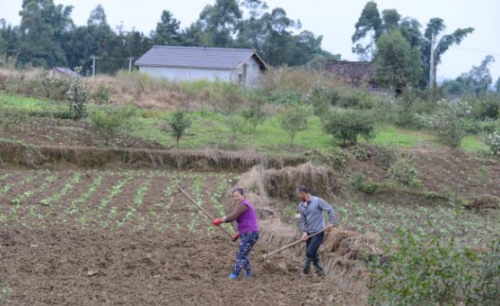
(217, 222)
(235, 237)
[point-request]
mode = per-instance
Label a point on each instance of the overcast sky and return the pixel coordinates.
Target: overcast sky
(334, 19)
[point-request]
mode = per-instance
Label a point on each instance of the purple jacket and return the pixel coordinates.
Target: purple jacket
(247, 222)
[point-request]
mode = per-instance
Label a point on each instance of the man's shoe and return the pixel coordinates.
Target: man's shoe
(307, 267)
(319, 266)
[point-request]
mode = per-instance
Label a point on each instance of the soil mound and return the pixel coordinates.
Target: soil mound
(484, 202)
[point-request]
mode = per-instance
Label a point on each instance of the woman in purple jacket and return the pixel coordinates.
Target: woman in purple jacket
(248, 231)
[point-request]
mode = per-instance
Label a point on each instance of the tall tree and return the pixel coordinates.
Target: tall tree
(167, 30)
(41, 24)
(435, 27)
(9, 38)
(97, 17)
(396, 64)
(477, 81)
(369, 24)
(410, 29)
(390, 20)
(220, 22)
(497, 86)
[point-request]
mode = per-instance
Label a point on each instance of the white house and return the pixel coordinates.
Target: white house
(195, 63)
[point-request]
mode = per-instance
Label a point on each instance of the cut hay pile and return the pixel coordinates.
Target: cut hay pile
(344, 255)
(283, 183)
(348, 245)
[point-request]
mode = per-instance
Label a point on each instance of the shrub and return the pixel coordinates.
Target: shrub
(447, 124)
(360, 183)
(179, 123)
(55, 87)
(493, 141)
(294, 120)
(335, 158)
(321, 98)
(101, 95)
(405, 172)
(357, 100)
(108, 120)
(78, 96)
(232, 98)
(434, 273)
(475, 127)
(347, 125)
(255, 115)
(406, 109)
(237, 126)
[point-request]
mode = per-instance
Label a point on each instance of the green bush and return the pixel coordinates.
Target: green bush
(55, 87)
(360, 183)
(335, 158)
(237, 126)
(347, 125)
(101, 95)
(476, 127)
(405, 172)
(179, 123)
(255, 115)
(406, 109)
(322, 99)
(493, 141)
(78, 95)
(357, 100)
(107, 120)
(447, 122)
(293, 120)
(434, 273)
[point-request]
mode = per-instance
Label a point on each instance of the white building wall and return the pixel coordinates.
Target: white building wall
(253, 73)
(187, 74)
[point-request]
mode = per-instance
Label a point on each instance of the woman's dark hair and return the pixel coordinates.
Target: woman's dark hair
(240, 191)
(303, 189)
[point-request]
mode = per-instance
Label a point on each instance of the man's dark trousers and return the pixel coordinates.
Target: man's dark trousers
(312, 256)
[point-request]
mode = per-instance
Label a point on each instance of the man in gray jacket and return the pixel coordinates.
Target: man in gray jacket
(311, 210)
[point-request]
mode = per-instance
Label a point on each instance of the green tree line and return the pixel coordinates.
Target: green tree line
(47, 36)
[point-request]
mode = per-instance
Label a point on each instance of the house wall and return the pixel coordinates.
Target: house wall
(187, 74)
(253, 73)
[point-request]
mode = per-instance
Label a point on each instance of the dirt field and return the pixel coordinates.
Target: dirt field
(126, 238)
(49, 131)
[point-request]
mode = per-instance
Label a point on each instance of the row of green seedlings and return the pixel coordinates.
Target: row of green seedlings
(28, 194)
(215, 198)
(80, 201)
(6, 188)
(195, 214)
(112, 193)
(138, 202)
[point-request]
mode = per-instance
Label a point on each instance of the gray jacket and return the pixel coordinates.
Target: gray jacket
(312, 214)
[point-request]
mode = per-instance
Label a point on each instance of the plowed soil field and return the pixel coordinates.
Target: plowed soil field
(128, 238)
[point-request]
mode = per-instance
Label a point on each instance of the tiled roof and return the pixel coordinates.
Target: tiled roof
(197, 57)
(350, 70)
